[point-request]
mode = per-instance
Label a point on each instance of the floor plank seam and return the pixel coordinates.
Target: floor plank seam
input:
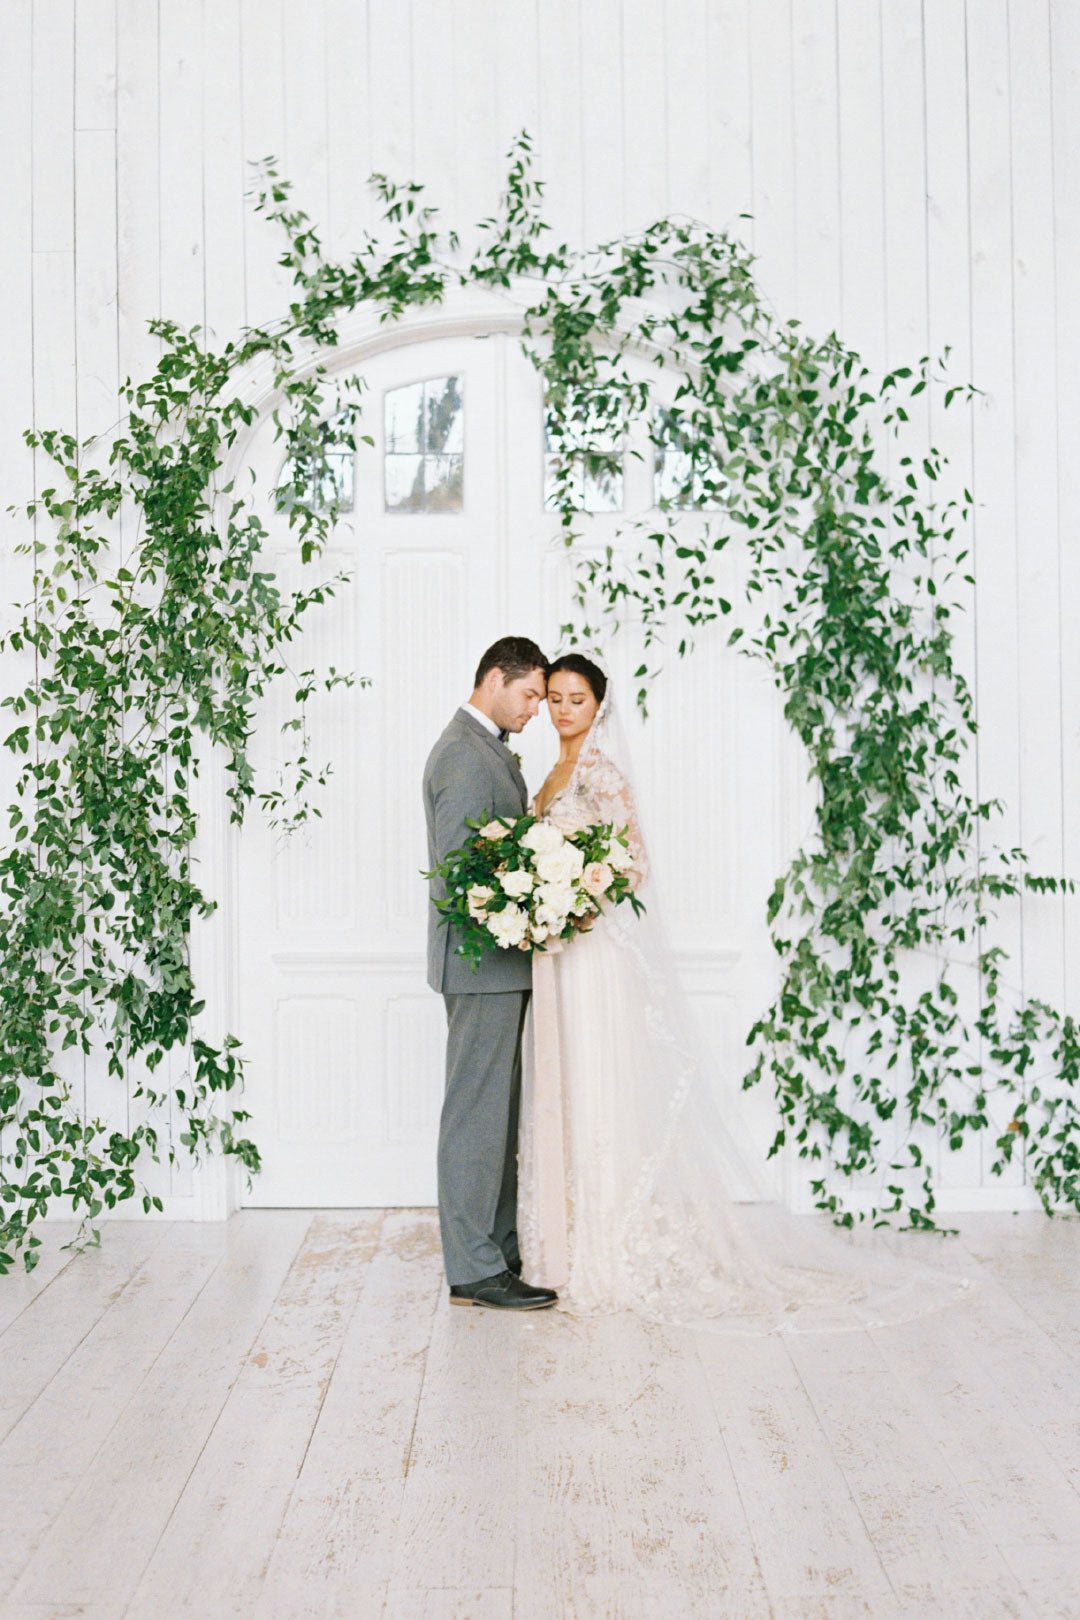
(434, 1317)
(114, 1300)
(35, 1297)
(747, 1526)
(419, 1399)
(1072, 1353)
(853, 1499)
(337, 1357)
(925, 1406)
(241, 1362)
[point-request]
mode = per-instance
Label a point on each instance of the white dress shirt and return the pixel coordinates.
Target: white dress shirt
(485, 719)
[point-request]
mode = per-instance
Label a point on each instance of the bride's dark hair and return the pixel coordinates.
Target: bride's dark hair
(578, 664)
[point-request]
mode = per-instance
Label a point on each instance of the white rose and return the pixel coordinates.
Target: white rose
(542, 837)
(539, 932)
(508, 926)
(597, 877)
(517, 883)
(493, 830)
(478, 897)
(561, 865)
(619, 857)
(553, 904)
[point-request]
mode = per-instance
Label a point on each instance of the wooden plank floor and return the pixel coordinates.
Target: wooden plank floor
(280, 1417)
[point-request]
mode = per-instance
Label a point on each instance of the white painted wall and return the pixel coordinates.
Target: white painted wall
(912, 172)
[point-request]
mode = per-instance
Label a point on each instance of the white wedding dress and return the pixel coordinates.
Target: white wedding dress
(624, 1160)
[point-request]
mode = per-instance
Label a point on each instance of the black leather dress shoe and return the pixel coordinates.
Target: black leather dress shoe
(503, 1292)
(515, 1266)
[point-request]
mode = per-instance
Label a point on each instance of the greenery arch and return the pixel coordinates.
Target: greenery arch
(132, 665)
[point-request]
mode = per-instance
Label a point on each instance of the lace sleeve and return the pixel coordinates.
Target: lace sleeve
(611, 800)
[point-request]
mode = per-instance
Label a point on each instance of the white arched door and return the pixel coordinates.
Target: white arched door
(450, 546)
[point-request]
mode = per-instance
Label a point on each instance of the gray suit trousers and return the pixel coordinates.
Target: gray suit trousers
(478, 1133)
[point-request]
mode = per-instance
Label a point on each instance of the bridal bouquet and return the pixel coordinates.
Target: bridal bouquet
(518, 885)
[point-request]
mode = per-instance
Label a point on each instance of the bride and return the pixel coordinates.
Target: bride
(623, 1153)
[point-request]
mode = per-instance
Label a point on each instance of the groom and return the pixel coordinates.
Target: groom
(470, 772)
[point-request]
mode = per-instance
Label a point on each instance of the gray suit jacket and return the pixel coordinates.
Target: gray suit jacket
(469, 773)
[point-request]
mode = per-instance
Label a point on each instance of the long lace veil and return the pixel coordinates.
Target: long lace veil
(686, 1251)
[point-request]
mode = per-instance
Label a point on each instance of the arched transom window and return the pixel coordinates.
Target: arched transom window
(424, 424)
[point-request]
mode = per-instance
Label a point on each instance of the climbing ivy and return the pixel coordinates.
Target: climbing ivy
(141, 657)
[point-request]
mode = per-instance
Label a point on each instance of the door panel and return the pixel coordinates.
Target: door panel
(345, 1041)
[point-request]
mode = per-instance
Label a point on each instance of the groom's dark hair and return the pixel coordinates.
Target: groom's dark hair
(514, 655)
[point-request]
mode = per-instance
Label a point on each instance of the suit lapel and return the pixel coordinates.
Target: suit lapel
(502, 753)
(515, 773)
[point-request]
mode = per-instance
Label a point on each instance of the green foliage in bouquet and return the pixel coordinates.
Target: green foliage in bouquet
(131, 660)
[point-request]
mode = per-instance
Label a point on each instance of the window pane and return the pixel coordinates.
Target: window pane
(596, 481)
(444, 416)
(603, 486)
(674, 482)
(338, 479)
(443, 481)
(677, 480)
(404, 419)
(552, 465)
(598, 488)
(321, 473)
(404, 483)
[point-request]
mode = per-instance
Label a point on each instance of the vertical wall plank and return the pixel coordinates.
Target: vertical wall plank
(817, 165)
(862, 192)
(53, 159)
(96, 387)
(645, 131)
(992, 359)
(600, 108)
(138, 199)
(480, 142)
(389, 87)
(16, 300)
(348, 130)
(52, 151)
(559, 131)
(435, 115)
(95, 64)
(183, 296)
(725, 46)
(262, 93)
(304, 46)
(517, 72)
(949, 315)
(95, 280)
(773, 146)
(1036, 530)
(688, 108)
(95, 214)
(17, 396)
(904, 178)
(225, 174)
(1065, 103)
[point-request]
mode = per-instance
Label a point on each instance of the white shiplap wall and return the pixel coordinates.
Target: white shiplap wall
(912, 172)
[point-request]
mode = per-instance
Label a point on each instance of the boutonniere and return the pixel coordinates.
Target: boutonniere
(515, 757)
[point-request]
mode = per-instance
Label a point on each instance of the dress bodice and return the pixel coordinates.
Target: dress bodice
(597, 792)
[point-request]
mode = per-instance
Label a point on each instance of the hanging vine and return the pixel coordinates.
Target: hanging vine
(775, 437)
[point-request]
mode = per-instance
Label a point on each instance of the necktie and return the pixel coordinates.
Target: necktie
(503, 736)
